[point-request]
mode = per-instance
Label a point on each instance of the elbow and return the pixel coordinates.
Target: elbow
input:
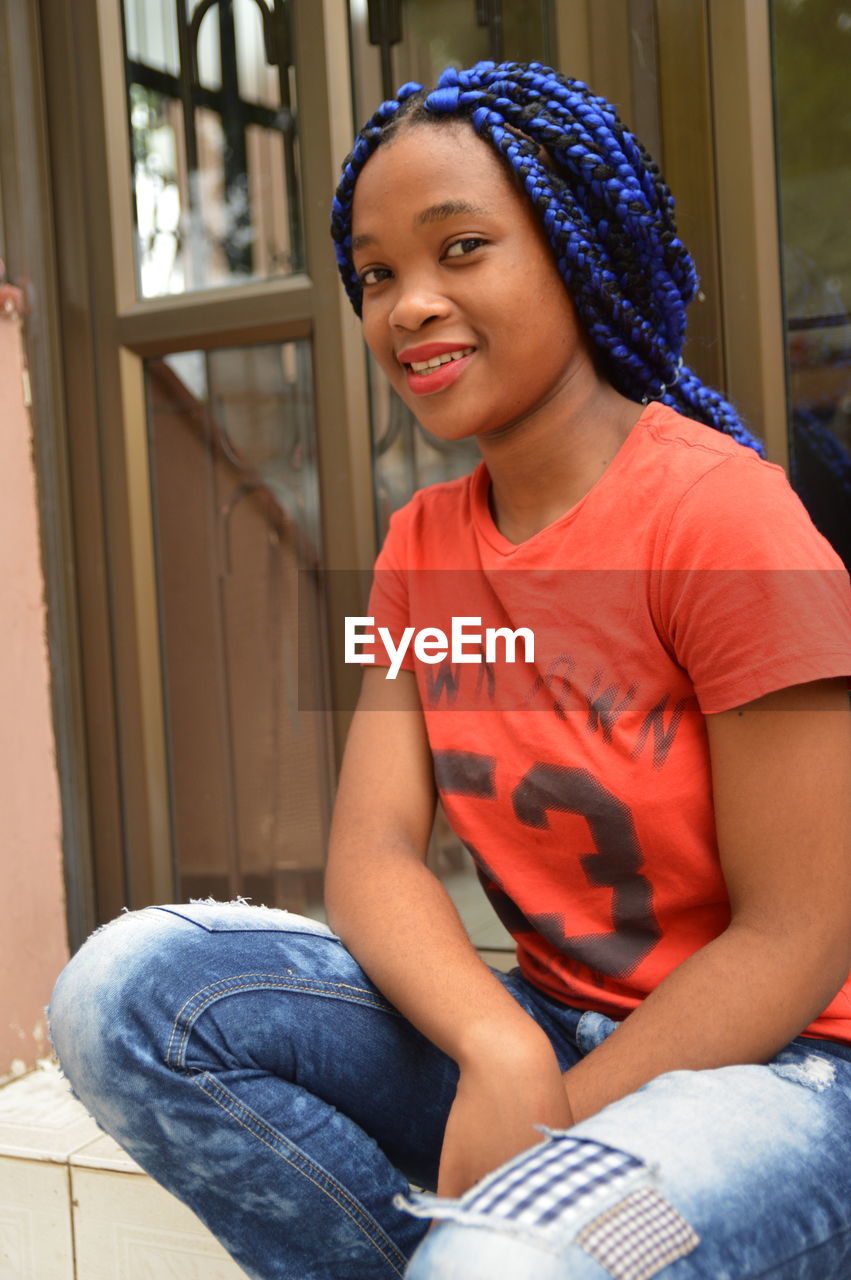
(334, 896)
(836, 971)
(335, 919)
(813, 962)
(828, 959)
(349, 888)
(824, 952)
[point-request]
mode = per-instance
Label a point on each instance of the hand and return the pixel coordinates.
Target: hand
(497, 1105)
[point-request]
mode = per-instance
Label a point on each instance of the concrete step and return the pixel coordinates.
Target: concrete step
(74, 1206)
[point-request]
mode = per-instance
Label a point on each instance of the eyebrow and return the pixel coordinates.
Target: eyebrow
(433, 213)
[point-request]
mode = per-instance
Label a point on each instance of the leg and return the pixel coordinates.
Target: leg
(731, 1174)
(247, 1063)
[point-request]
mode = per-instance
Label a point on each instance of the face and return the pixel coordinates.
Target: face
(463, 306)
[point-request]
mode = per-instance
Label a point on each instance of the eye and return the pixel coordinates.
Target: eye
(372, 276)
(462, 248)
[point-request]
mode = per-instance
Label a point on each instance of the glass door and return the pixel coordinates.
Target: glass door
(216, 469)
(212, 113)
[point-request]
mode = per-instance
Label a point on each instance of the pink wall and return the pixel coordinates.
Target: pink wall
(33, 944)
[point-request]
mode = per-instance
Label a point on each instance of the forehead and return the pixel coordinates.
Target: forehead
(427, 166)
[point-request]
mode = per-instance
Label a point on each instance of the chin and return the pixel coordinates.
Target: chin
(449, 436)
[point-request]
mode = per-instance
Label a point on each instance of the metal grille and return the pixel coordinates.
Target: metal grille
(208, 133)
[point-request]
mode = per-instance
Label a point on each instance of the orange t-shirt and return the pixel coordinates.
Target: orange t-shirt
(688, 580)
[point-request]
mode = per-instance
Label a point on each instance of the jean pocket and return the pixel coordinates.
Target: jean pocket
(242, 917)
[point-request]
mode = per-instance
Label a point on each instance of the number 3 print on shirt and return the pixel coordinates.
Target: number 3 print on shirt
(615, 864)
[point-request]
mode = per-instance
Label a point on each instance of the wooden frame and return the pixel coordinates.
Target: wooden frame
(30, 255)
(748, 217)
(108, 331)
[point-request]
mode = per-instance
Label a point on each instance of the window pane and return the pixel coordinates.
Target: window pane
(151, 34)
(208, 55)
(438, 32)
(156, 123)
(236, 517)
(258, 81)
(812, 42)
(211, 97)
(434, 33)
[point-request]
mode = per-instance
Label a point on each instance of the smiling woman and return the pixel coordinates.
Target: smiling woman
(480, 277)
(659, 808)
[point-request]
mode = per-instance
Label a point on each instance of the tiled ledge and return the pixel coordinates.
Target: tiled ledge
(74, 1206)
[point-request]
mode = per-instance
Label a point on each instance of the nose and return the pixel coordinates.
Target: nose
(416, 303)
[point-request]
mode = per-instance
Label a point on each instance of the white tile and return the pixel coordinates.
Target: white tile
(35, 1221)
(105, 1153)
(40, 1120)
(129, 1228)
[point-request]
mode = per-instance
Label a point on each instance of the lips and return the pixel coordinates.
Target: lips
(428, 351)
(440, 376)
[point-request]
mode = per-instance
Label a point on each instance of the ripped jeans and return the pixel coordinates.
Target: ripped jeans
(246, 1062)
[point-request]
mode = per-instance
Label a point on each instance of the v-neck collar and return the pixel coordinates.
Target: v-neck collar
(481, 487)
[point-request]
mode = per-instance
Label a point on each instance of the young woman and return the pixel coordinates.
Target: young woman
(658, 801)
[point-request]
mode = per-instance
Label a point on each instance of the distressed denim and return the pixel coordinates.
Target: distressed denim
(246, 1062)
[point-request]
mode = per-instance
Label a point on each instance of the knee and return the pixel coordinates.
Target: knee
(100, 1001)
(455, 1251)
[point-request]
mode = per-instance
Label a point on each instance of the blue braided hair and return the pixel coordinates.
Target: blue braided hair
(604, 205)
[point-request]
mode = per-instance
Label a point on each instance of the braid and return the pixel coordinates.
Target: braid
(603, 203)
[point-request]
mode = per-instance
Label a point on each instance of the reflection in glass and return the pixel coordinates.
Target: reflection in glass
(150, 34)
(439, 32)
(812, 42)
(211, 98)
(156, 128)
(398, 40)
(236, 517)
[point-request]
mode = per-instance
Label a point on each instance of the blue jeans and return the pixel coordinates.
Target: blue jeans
(246, 1062)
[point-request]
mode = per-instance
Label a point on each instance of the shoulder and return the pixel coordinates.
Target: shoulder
(752, 598)
(687, 452)
(435, 516)
(726, 507)
(445, 496)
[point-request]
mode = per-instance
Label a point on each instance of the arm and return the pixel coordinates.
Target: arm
(781, 769)
(400, 924)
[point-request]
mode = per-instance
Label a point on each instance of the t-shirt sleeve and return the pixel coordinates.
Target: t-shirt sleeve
(750, 597)
(388, 605)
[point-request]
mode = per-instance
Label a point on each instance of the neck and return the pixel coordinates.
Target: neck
(540, 469)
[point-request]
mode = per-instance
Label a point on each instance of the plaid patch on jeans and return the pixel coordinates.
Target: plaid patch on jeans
(551, 1180)
(638, 1237)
